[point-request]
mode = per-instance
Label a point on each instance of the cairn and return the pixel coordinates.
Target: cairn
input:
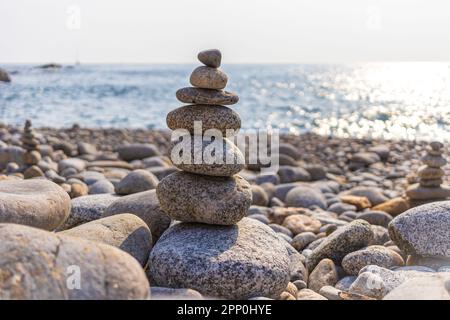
(31, 145)
(430, 186)
(208, 110)
(214, 249)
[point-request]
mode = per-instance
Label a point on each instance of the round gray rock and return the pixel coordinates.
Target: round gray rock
(423, 230)
(211, 57)
(75, 163)
(305, 197)
(220, 118)
(292, 174)
(208, 78)
(125, 231)
(40, 265)
(373, 255)
(37, 202)
(194, 198)
(234, 262)
(101, 187)
(137, 181)
(206, 96)
(219, 158)
(337, 245)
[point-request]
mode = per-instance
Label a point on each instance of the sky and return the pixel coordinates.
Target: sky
(246, 31)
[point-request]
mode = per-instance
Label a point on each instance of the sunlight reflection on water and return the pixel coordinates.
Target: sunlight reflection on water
(379, 100)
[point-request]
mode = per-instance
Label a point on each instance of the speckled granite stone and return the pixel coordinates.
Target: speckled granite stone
(324, 274)
(206, 96)
(423, 230)
(341, 242)
(377, 255)
(218, 158)
(87, 208)
(234, 262)
(212, 117)
(194, 198)
(208, 78)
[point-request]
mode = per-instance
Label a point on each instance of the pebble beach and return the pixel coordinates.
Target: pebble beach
(106, 213)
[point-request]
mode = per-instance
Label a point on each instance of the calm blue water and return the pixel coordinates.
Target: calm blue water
(393, 100)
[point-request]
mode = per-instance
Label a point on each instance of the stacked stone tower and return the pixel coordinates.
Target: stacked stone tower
(214, 248)
(430, 186)
(214, 171)
(31, 145)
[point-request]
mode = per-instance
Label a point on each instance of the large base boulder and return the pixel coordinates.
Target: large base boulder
(234, 262)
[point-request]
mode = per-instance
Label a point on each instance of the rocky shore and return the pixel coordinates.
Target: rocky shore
(109, 214)
(338, 204)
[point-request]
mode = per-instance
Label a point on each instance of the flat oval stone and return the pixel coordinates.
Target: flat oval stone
(77, 164)
(305, 197)
(211, 58)
(299, 223)
(101, 187)
(212, 117)
(137, 181)
(110, 164)
(430, 173)
(212, 158)
(433, 183)
(41, 265)
(434, 161)
(125, 231)
(418, 192)
(206, 96)
(233, 262)
(194, 198)
(208, 78)
(38, 203)
(135, 151)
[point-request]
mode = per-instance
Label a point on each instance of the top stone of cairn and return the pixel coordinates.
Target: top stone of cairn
(211, 58)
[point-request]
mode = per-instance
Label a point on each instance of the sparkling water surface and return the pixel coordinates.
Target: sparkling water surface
(373, 100)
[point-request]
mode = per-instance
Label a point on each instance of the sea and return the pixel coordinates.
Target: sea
(397, 100)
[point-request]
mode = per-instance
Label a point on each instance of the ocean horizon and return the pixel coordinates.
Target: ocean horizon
(394, 100)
